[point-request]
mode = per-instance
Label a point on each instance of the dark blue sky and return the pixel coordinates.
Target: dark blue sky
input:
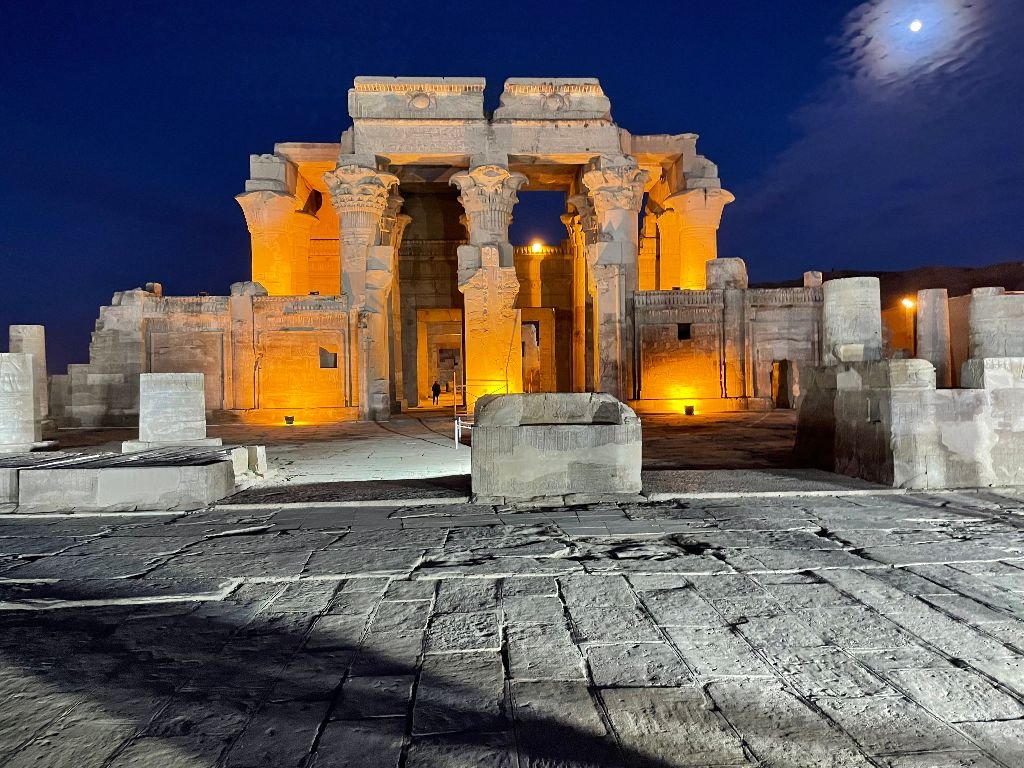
(849, 141)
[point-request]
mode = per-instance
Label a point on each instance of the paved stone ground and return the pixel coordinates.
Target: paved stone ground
(858, 631)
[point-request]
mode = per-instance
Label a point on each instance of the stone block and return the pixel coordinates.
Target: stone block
(993, 373)
(31, 339)
(19, 428)
(257, 459)
(417, 98)
(141, 487)
(851, 320)
(270, 173)
(812, 279)
(542, 445)
(172, 408)
(537, 98)
(726, 273)
(996, 322)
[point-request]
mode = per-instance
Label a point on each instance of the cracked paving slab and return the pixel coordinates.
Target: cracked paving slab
(807, 631)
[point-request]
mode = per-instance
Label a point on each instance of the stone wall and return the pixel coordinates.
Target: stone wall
(730, 343)
(886, 422)
(255, 352)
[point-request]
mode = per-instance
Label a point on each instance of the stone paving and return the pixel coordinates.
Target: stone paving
(803, 631)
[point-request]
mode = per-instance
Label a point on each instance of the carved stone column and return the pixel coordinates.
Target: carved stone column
(360, 196)
(280, 241)
(688, 229)
(392, 229)
(616, 187)
(487, 279)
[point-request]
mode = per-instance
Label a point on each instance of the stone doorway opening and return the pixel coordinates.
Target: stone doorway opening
(783, 384)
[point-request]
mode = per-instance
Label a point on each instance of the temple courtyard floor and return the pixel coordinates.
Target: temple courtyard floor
(354, 610)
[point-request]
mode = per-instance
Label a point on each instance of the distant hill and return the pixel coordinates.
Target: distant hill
(957, 280)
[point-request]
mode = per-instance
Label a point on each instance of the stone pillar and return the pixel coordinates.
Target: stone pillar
(812, 279)
(578, 248)
(648, 258)
(360, 196)
(393, 227)
(689, 236)
(996, 322)
(31, 339)
(487, 279)
(616, 188)
(933, 342)
(851, 320)
(19, 428)
(280, 241)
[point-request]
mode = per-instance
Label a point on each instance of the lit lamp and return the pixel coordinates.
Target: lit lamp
(289, 420)
(688, 410)
(536, 247)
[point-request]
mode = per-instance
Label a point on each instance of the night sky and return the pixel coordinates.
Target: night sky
(849, 141)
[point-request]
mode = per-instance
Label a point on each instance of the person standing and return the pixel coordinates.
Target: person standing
(436, 392)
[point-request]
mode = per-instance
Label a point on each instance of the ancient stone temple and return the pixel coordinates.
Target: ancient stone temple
(382, 263)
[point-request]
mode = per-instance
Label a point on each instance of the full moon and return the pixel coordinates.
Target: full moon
(916, 25)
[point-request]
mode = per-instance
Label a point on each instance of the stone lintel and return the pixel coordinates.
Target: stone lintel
(536, 98)
(417, 98)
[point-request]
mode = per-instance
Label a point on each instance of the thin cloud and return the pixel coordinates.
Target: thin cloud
(910, 154)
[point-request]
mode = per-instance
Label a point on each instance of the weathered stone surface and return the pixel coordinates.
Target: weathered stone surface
(459, 692)
(851, 320)
(144, 488)
(673, 725)
(373, 743)
(527, 446)
(19, 429)
(636, 664)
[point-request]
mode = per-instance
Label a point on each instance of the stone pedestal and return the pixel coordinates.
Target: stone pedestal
(851, 321)
(584, 446)
(487, 279)
(31, 339)
(172, 411)
(933, 338)
(19, 428)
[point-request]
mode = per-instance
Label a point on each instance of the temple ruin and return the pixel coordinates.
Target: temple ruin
(382, 263)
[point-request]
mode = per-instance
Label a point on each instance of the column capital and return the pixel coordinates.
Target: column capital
(267, 210)
(587, 217)
(488, 195)
(360, 196)
(616, 185)
(699, 207)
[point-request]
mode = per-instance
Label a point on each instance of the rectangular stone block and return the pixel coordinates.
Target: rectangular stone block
(529, 446)
(417, 98)
(144, 488)
(172, 407)
(19, 428)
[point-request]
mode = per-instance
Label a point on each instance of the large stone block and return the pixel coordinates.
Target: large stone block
(141, 487)
(172, 411)
(996, 320)
(542, 445)
(31, 339)
(417, 98)
(537, 98)
(851, 320)
(19, 428)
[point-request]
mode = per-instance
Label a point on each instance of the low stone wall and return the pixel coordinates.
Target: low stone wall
(886, 422)
(554, 445)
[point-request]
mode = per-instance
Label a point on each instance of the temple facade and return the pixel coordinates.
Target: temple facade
(382, 263)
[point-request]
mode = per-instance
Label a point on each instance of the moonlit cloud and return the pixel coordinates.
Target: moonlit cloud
(879, 48)
(910, 154)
